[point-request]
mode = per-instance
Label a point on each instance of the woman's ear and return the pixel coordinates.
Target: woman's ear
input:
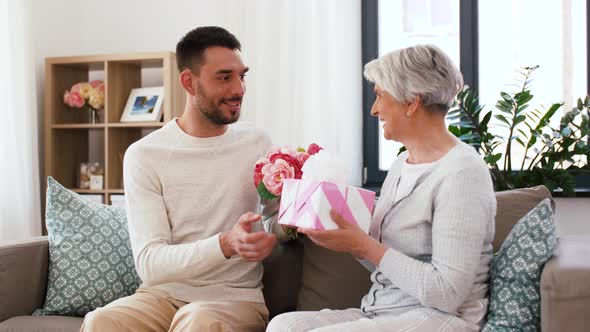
(186, 80)
(413, 106)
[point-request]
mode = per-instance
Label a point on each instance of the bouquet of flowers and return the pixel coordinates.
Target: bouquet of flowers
(280, 163)
(90, 94)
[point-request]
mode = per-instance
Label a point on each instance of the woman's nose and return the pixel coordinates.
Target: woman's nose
(374, 111)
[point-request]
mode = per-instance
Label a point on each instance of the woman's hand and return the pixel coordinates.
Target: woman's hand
(347, 238)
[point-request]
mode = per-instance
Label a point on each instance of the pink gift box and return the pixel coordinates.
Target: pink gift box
(307, 204)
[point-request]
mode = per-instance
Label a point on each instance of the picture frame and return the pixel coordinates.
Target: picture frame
(144, 105)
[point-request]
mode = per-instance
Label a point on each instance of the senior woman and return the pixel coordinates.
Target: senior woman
(429, 244)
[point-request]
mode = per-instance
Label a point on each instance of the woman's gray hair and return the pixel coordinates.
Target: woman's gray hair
(421, 70)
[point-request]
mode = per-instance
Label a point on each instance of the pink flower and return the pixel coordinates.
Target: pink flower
(301, 157)
(292, 161)
(258, 176)
(274, 174)
(67, 98)
(313, 149)
(76, 88)
(95, 83)
(76, 100)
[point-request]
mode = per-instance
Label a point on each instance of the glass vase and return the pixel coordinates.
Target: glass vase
(92, 115)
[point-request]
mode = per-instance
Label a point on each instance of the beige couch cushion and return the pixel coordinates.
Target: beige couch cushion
(565, 286)
(282, 276)
(42, 324)
(331, 279)
(23, 276)
(513, 205)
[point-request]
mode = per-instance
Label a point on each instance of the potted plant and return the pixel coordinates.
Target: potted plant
(552, 154)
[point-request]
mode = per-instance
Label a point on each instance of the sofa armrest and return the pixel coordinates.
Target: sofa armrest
(23, 276)
(565, 290)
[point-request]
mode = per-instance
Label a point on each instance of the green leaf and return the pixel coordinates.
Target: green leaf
(264, 193)
(486, 119)
(519, 119)
(532, 141)
(466, 137)
(524, 98)
(505, 96)
(492, 159)
(521, 108)
(454, 117)
(466, 124)
(453, 113)
(502, 118)
(548, 115)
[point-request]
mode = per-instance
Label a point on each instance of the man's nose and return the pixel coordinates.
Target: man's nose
(238, 88)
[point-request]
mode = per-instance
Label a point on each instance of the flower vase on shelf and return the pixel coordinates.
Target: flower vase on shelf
(92, 115)
(86, 95)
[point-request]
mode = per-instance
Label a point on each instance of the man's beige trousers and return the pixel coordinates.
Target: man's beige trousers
(152, 310)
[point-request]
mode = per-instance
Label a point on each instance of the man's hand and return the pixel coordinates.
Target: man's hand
(252, 247)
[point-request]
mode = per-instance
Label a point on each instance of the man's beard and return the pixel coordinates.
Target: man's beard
(208, 108)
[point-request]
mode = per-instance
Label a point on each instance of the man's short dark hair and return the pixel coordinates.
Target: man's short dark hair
(190, 49)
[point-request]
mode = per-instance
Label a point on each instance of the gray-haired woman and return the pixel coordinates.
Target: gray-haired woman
(429, 243)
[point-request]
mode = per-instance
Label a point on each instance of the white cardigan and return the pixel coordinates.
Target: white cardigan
(440, 238)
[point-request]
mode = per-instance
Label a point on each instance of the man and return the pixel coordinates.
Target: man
(186, 186)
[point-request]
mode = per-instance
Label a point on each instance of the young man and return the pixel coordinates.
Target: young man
(196, 242)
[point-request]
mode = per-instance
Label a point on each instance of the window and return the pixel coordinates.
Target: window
(553, 38)
(488, 40)
(423, 21)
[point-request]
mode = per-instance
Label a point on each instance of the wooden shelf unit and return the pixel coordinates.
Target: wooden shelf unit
(71, 140)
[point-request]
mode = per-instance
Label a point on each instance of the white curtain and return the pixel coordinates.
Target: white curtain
(19, 159)
(305, 83)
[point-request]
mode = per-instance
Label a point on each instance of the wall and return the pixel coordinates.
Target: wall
(66, 27)
(305, 80)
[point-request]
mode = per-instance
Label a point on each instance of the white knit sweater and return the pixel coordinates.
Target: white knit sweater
(182, 192)
(440, 238)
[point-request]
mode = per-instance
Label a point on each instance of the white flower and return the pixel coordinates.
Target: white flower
(323, 166)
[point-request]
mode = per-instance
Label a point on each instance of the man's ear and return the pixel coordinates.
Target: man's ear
(186, 80)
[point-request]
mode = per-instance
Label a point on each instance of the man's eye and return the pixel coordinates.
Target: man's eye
(243, 77)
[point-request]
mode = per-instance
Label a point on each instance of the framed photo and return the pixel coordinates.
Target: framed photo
(144, 104)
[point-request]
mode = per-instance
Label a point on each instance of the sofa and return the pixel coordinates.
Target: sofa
(302, 276)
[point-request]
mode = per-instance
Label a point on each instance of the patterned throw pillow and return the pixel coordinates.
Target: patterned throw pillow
(515, 302)
(90, 259)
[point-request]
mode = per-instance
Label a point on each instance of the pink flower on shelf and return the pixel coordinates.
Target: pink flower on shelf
(313, 149)
(95, 83)
(67, 98)
(75, 100)
(275, 173)
(86, 93)
(76, 87)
